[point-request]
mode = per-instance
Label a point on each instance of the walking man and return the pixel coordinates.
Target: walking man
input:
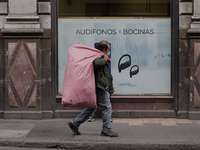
(102, 80)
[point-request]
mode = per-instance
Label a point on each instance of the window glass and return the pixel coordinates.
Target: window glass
(139, 32)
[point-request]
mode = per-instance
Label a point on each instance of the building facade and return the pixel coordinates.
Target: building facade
(36, 35)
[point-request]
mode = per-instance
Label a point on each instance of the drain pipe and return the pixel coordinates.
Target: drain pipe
(175, 43)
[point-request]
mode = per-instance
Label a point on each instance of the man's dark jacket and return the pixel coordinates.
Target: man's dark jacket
(102, 74)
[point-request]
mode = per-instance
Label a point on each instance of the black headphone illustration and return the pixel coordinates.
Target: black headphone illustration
(134, 72)
(126, 64)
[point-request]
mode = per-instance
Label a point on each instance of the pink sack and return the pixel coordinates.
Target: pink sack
(79, 81)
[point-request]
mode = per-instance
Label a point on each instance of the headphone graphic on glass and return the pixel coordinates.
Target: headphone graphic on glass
(122, 66)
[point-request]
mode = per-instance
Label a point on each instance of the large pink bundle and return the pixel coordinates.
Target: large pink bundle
(79, 80)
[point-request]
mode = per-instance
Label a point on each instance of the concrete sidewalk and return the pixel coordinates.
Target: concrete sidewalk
(138, 134)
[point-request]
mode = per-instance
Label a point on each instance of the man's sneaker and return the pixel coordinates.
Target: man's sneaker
(110, 134)
(73, 128)
(91, 119)
(111, 119)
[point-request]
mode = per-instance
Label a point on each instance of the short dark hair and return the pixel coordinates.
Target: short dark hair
(102, 45)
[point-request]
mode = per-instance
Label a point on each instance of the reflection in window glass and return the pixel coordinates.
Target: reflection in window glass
(138, 28)
(114, 8)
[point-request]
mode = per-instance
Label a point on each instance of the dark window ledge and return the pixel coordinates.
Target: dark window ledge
(135, 99)
(141, 99)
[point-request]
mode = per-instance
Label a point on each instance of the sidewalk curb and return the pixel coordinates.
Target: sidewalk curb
(98, 145)
(12, 143)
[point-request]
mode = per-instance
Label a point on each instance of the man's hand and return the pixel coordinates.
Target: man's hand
(112, 91)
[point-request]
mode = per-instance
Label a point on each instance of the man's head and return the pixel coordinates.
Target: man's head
(104, 46)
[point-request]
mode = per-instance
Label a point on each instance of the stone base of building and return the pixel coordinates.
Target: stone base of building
(1, 114)
(33, 115)
(38, 115)
(193, 115)
(182, 114)
(121, 114)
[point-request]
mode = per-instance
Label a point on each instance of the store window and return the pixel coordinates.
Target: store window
(140, 35)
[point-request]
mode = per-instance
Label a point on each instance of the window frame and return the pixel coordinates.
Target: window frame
(174, 59)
